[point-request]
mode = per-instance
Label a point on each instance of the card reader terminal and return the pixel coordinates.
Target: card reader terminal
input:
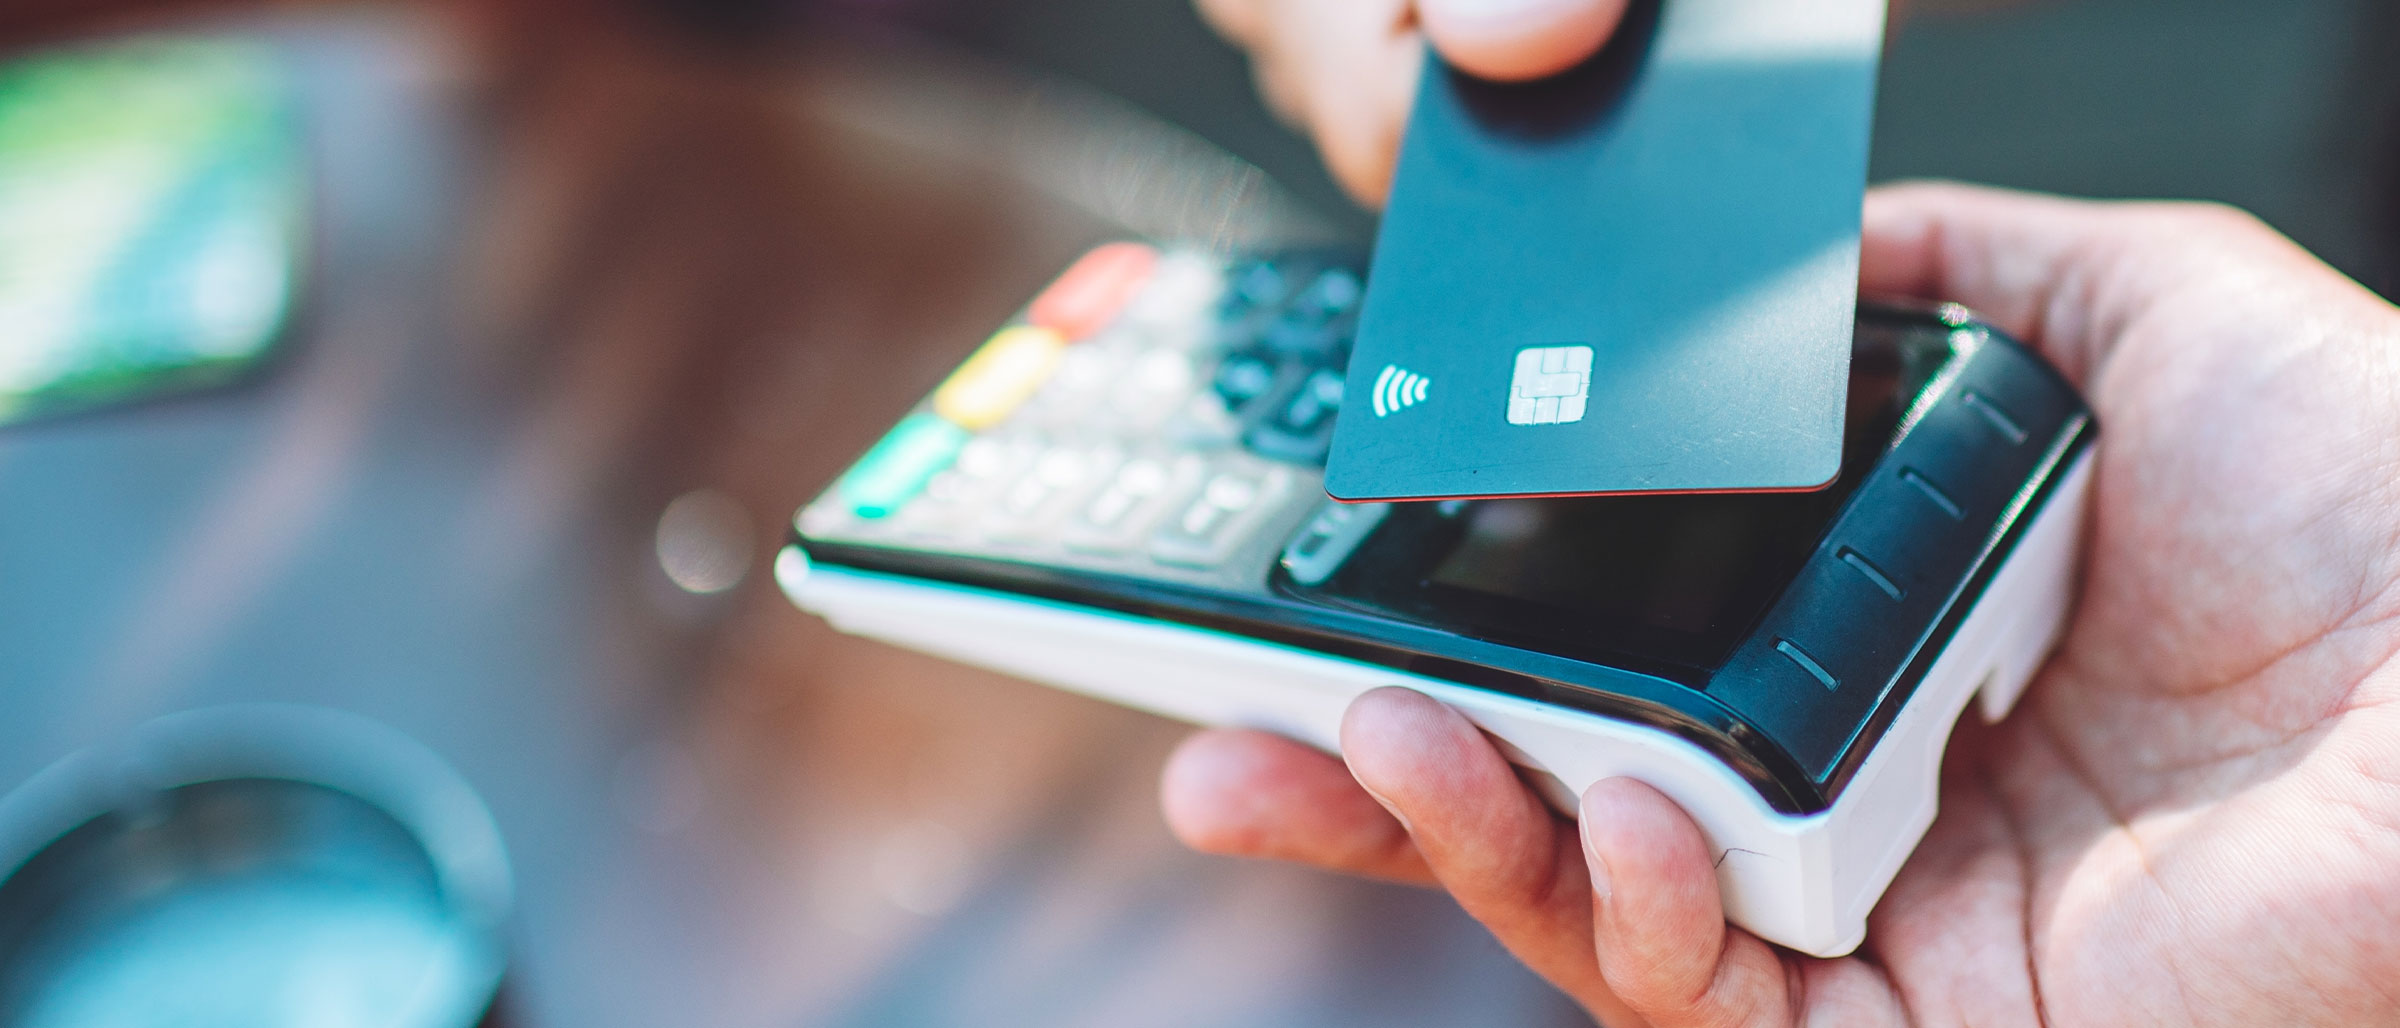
(1121, 493)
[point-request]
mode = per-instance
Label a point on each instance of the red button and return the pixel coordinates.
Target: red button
(1089, 295)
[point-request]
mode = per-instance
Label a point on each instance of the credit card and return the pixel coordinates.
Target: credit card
(1637, 277)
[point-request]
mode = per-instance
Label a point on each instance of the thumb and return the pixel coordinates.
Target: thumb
(1514, 40)
(2071, 276)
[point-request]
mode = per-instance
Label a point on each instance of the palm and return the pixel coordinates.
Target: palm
(2193, 818)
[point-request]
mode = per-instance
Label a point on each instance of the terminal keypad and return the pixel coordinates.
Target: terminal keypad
(1168, 410)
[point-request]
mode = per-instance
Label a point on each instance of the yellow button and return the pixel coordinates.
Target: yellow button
(1001, 376)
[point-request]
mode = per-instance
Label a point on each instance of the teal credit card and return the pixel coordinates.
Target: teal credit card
(152, 205)
(1636, 277)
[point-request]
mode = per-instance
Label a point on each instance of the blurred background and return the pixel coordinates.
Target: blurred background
(563, 308)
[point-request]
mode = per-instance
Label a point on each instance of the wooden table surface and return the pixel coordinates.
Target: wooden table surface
(561, 283)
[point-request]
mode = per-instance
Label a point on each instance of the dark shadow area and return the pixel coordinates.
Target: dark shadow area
(1569, 103)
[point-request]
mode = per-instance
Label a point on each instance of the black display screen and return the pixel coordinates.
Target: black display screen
(1645, 580)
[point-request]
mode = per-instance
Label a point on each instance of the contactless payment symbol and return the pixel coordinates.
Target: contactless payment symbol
(1551, 386)
(1397, 389)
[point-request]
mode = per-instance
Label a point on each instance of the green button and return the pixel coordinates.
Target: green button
(896, 470)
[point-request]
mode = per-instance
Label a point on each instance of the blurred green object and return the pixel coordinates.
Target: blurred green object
(152, 205)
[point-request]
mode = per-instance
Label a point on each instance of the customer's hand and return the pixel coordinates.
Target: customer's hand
(1346, 70)
(2194, 816)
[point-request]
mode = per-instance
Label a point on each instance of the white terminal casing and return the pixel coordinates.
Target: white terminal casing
(1805, 882)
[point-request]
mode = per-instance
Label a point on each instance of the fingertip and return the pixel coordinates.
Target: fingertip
(1389, 705)
(1378, 715)
(1252, 794)
(1482, 833)
(1198, 787)
(1361, 162)
(1658, 922)
(2008, 255)
(1902, 223)
(1236, 20)
(1391, 736)
(1517, 40)
(1640, 838)
(1358, 117)
(1246, 793)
